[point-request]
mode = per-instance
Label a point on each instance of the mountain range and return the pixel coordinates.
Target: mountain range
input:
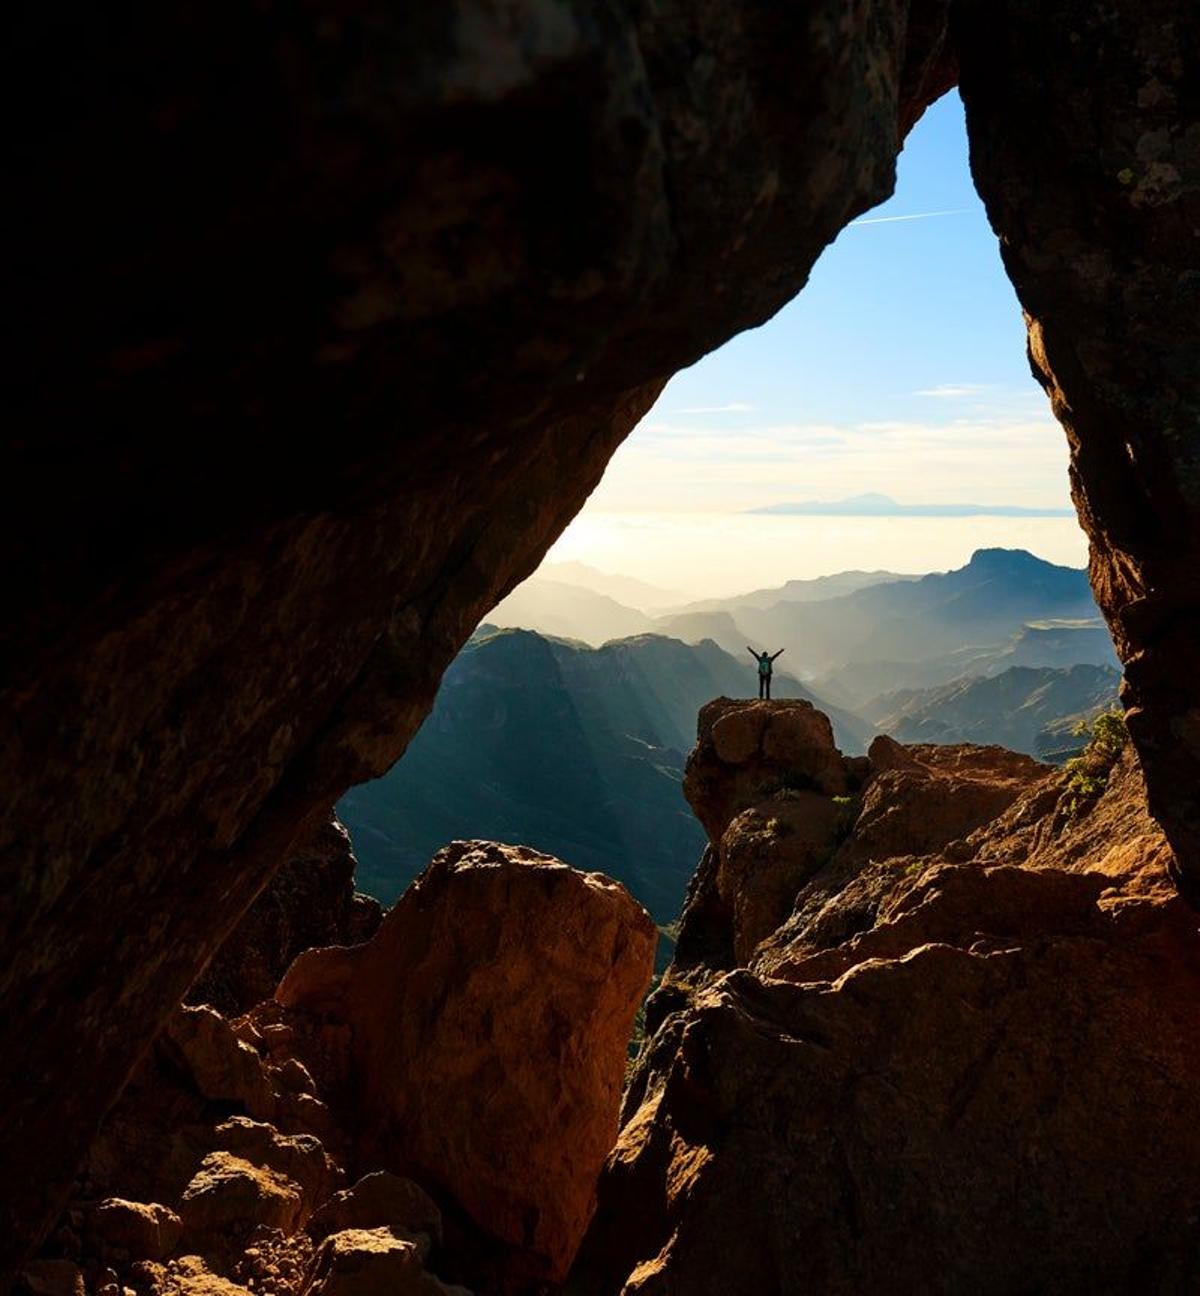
(876, 505)
(574, 750)
(1022, 708)
(544, 735)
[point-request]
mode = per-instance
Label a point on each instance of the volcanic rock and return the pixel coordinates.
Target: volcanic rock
(142, 1231)
(310, 901)
(222, 1067)
(295, 223)
(975, 1074)
(372, 1262)
(506, 1095)
(229, 1196)
(747, 750)
(380, 1200)
(765, 856)
(299, 1157)
(53, 1278)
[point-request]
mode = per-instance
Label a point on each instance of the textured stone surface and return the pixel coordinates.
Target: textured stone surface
(362, 303)
(229, 1195)
(970, 1069)
(487, 1029)
(746, 751)
(364, 300)
(372, 1262)
(53, 1278)
(951, 1121)
(380, 1200)
(143, 1230)
(1085, 146)
(310, 901)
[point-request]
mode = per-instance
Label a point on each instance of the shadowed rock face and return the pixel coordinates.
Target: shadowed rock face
(310, 901)
(1085, 146)
(330, 323)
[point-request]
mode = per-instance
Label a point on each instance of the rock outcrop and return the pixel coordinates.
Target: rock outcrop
(1085, 147)
(337, 354)
(479, 1039)
(477, 1042)
(964, 1061)
(310, 901)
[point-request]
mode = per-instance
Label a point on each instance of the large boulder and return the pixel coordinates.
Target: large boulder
(139, 1230)
(746, 751)
(486, 1025)
(372, 1262)
(1023, 1117)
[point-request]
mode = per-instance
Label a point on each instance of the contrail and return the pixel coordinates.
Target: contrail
(883, 220)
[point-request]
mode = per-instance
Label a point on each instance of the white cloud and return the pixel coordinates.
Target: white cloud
(952, 391)
(1017, 459)
(733, 407)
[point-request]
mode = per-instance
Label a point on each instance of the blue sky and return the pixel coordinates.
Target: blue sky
(900, 368)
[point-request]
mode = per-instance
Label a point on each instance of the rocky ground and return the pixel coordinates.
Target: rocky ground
(931, 1026)
(436, 1100)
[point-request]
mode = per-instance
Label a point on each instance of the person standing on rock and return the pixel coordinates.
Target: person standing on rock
(764, 660)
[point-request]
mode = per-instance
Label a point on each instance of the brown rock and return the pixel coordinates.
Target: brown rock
(222, 1067)
(980, 1043)
(208, 638)
(191, 1276)
(767, 854)
(536, 971)
(380, 1200)
(747, 750)
(229, 1196)
(53, 1278)
(310, 901)
(372, 1262)
(948, 1120)
(1104, 260)
(919, 800)
(145, 1231)
(299, 1158)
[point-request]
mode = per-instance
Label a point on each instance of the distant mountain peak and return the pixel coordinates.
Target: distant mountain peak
(1007, 560)
(875, 504)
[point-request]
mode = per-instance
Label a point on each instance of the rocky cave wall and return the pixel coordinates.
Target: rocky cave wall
(329, 323)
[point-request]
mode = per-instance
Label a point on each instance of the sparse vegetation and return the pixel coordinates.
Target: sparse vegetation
(1087, 774)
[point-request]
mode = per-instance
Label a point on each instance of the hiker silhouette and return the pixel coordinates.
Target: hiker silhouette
(764, 660)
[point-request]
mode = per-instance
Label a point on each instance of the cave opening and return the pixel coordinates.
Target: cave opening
(883, 421)
(215, 625)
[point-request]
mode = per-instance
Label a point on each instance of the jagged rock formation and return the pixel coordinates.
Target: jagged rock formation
(964, 1061)
(336, 354)
(1085, 147)
(310, 901)
(477, 1042)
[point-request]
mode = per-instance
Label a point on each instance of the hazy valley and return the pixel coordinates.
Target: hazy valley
(569, 729)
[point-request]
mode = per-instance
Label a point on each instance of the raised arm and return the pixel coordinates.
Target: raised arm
(752, 652)
(778, 654)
